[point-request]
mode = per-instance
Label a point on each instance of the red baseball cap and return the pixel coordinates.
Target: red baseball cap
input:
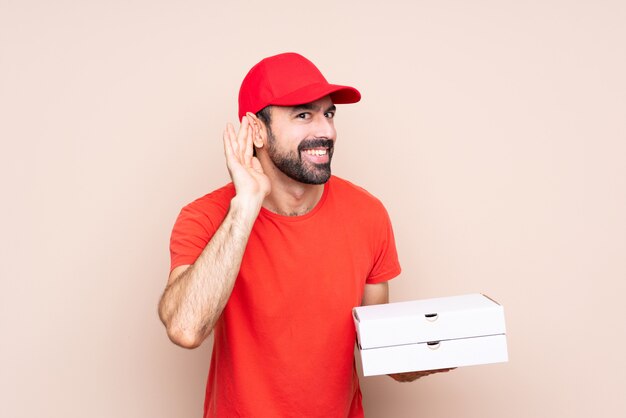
(288, 79)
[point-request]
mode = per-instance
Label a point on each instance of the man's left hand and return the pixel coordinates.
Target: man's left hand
(411, 376)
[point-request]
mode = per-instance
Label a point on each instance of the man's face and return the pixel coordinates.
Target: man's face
(301, 140)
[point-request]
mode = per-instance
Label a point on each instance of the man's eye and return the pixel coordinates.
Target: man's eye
(304, 115)
(329, 115)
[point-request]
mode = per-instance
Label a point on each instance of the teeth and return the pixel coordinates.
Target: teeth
(316, 152)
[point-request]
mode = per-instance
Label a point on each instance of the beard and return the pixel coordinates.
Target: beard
(291, 164)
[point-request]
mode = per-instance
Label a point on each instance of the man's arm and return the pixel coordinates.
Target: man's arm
(375, 294)
(196, 294)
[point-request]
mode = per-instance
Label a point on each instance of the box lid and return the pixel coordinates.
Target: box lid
(427, 320)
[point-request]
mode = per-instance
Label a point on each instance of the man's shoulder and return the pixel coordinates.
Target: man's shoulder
(347, 190)
(217, 200)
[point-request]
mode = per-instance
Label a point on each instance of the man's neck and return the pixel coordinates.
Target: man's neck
(293, 198)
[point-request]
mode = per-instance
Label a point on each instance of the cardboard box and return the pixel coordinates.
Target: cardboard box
(430, 334)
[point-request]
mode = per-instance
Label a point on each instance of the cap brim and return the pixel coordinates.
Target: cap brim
(338, 94)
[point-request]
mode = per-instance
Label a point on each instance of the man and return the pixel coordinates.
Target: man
(274, 261)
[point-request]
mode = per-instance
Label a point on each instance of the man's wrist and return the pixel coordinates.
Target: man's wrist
(245, 209)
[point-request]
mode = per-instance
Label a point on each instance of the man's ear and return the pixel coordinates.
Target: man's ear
(260, 138)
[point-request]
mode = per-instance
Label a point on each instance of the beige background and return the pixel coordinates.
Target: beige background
(494, 132)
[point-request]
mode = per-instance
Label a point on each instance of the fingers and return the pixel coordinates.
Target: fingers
(242, 138)
(238, 146)
(234, 142)
(228, 146)
(254, 130)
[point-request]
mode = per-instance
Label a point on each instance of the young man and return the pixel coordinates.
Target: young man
(275, 261)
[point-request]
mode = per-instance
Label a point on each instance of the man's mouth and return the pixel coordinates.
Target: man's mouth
(317, 151)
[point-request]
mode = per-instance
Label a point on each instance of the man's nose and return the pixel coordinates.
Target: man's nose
(324, 127)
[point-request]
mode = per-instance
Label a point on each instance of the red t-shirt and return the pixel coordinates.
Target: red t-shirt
(284, 344)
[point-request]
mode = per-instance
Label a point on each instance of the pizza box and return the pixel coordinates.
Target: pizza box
(430, 334)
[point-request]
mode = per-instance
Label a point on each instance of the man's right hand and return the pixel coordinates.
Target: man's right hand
(245, 170)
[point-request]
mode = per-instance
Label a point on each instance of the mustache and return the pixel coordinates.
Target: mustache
(316, 143)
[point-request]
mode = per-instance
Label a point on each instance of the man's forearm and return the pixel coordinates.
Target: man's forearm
(193, 302)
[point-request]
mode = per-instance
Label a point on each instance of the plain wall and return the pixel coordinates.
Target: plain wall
(493, 131)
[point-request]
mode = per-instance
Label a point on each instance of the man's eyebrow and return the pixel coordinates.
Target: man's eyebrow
(302, 107)
(310, 106)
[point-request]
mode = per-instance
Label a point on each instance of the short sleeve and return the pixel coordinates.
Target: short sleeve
(386, 264)
(193, 229)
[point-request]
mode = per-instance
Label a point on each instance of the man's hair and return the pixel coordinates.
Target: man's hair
(264, 115)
